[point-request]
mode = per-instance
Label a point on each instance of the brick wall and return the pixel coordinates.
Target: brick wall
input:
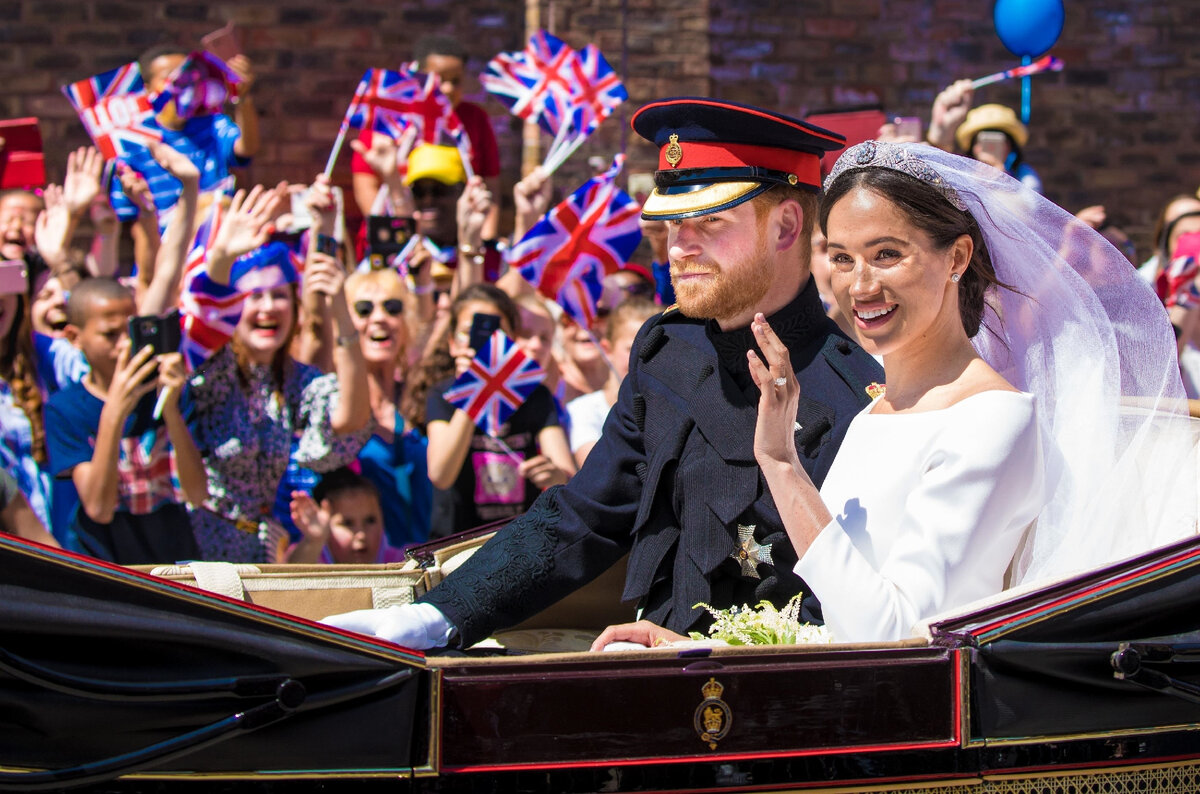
(1121, 126)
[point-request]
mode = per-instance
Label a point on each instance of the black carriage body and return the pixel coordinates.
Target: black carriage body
(107, 674)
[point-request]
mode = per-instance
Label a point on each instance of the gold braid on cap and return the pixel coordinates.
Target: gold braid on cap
(877, 154)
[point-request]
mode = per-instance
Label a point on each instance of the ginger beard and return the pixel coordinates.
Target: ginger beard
(726, 289)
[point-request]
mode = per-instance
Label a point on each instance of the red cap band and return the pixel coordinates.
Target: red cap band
(697, 154)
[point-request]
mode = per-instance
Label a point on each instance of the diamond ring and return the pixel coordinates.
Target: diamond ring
(781, 381)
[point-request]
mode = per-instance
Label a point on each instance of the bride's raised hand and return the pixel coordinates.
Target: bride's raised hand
(779, 398)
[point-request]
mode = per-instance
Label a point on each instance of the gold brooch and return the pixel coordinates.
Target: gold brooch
(674, 150)
(876, 390)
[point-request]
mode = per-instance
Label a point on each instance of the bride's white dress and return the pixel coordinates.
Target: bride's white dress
(928, 510)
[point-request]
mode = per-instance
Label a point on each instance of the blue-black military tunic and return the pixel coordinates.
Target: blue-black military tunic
(671, 480)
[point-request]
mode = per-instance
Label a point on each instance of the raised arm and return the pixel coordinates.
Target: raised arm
(162, 293)
(325, 276)
(245, 115)
(247, 225)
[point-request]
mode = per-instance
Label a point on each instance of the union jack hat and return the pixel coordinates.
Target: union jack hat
(714, 155)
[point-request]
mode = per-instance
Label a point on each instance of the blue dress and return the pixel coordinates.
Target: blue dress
(400, 472)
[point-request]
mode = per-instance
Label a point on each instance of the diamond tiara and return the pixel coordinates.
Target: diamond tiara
(876, 154)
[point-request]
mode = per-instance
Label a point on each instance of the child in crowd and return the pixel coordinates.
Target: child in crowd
(589, 411)
(478, 478)
(129, 467)
(342, 522)
(214, 143)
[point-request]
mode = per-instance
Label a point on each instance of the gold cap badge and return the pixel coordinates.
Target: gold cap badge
(674, 150)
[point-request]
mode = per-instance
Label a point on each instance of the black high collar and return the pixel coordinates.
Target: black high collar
(793, 324)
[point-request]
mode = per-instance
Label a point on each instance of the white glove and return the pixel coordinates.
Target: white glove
(416, 626)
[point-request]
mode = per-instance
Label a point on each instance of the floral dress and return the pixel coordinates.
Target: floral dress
(16, 455)
(245, 436)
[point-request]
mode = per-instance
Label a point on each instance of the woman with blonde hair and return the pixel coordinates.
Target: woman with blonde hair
(393, 459)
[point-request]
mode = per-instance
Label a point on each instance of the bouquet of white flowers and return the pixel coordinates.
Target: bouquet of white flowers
(763, 625)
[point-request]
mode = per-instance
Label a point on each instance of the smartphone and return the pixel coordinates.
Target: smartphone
(301, 217)
(161, 333)
(388, 235)
(908, 128)
(482, 327)
(14, 277)
(223, 42)
(327, 245)
(993, 143)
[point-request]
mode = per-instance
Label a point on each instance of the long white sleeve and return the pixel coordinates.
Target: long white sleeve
(928, 510)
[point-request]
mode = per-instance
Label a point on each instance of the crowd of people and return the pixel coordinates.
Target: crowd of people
(300, 414)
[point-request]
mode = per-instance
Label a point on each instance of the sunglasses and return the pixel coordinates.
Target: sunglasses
(436, 190)
(393, 306)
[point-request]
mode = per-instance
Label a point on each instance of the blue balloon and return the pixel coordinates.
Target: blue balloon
(1028, 27)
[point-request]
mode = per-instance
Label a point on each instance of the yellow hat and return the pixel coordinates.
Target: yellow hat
(442, 163)
(990, 117)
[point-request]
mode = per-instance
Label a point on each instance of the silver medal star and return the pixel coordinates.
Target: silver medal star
(750, 553)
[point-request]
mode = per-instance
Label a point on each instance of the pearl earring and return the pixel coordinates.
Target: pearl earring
(954, 278)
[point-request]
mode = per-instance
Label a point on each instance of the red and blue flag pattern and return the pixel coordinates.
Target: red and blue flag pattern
(383, 100)
(499, 381)
(199, 86)
(567, 92)
(567, 253)
(115, 110)
(1176, 283)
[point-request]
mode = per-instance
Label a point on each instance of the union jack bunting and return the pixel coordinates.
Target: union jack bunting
(199, 86)
(534, 83)
(115, 110)
(567, 253)
(499, 381)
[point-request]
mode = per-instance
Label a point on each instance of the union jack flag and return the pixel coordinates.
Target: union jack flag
(199, 86)
(596, 91)
(115, 110)
(383, 102)
(434, 114)
(210, 311)
(590, 234)
(1176, 283)
(499, 381)
(535, 83)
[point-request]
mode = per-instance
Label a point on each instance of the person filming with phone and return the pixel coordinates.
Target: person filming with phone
(989, 133)
(476, 477)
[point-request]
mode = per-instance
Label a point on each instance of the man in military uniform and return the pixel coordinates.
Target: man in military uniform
(673, 480)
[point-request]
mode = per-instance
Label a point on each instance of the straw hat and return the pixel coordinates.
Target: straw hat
(990, 117)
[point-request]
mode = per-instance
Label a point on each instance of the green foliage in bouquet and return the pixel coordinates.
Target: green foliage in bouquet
(763, 625)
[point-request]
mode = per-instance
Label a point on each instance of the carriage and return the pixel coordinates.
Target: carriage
(114, 679)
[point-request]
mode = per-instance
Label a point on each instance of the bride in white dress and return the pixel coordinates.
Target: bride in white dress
(1033, 422)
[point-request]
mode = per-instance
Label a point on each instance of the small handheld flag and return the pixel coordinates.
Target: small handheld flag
(1047, 63)
(499, 381)
(567, 92)
(199, 86)
(567, 253)
(115, 110)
